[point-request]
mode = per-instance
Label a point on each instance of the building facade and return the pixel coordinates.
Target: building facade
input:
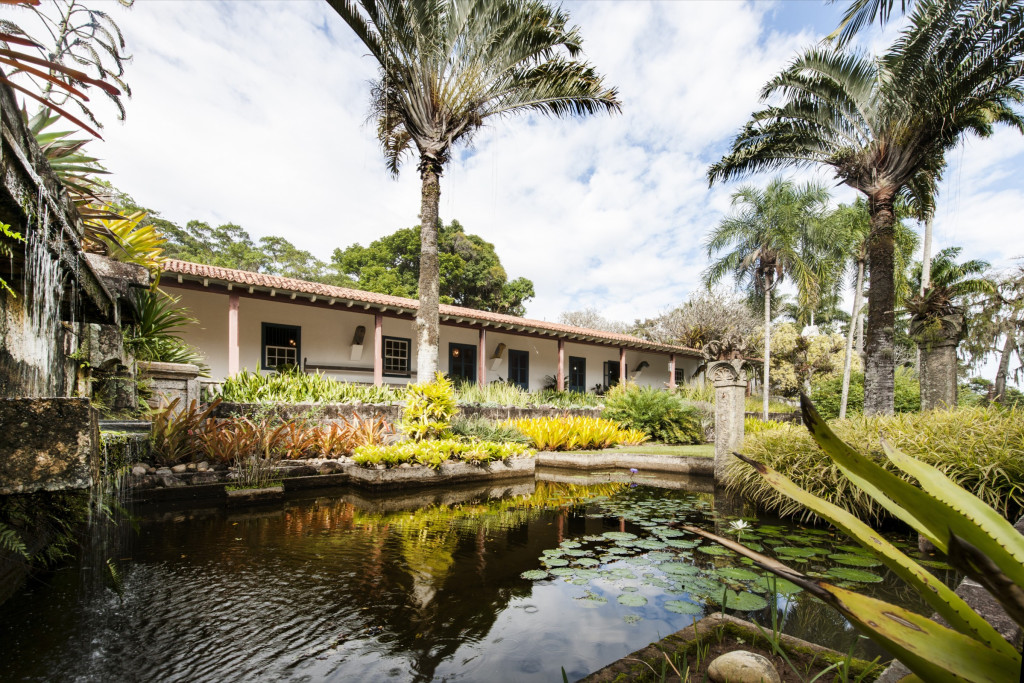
(256, 321)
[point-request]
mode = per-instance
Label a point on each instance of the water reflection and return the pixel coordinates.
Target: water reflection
(418, 587)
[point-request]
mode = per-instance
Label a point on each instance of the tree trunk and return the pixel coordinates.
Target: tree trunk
(848, 359)
(999, 388)
(860, 331)
(427, 316)
(879, 371)
(926, 256)
(767, 343)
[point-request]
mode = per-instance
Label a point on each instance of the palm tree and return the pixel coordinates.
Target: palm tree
(766, 240)
(884, 126)
(445, 67)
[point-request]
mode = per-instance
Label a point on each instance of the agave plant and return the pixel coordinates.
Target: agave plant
(976, 539)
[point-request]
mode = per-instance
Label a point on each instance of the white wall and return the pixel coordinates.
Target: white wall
(327, 334)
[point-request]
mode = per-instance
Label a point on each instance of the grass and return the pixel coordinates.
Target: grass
(703, 450)
(980, 449)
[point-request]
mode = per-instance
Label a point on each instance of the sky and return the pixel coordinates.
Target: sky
(256, 113)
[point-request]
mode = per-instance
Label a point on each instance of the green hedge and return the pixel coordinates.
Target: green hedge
(981, 449)
(827, 393)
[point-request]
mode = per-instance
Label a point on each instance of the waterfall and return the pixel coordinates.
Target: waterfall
(43, 287)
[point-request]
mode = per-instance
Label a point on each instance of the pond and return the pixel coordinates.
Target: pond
(507, 583)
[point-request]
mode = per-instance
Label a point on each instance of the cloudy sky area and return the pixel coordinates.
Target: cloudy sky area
(255, 113)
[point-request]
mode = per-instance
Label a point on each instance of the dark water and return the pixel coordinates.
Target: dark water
(345, 587)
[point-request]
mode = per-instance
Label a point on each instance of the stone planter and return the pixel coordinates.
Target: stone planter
(270, 494)
(455, 473)
(171, 381)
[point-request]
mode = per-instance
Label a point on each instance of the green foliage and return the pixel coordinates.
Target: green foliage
(155, 335)
(662, 415)
(576, 433)
(827, 393)
(566, 399)
(495, 394)
(49, 521)
(435, 453)
(755, 425)
(429, 409)
(471, 273)
(697, 391)
(175, 433)
(981, 449)
(297, 387)
(487, 430)
(6, 252)
(977, 540)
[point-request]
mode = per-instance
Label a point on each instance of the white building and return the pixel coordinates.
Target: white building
(252, 320)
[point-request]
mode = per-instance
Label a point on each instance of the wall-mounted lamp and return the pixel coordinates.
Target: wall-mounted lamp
(499, 351)
(357, 343)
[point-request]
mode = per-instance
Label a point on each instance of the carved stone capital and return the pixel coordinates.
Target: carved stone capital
(727, 371)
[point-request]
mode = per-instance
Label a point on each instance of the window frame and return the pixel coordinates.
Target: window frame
(408, 356)
(524, 358)
(471, 350)
(583, 366)
(263, 344)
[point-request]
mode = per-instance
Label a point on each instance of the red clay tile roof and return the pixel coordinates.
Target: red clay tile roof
(287, 284)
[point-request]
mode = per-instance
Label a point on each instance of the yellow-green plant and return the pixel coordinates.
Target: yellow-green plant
(297, 387)
(5, 250)
(429, 409)
(576, 433)
(435, 453)
(976, 539)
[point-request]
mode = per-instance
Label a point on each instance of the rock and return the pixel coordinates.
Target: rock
(191, 467)
(150, 470)
(140, 464)
(205, 478)
(163, 472)
(405, 466)
(300, 471)
(169, 481)
(330, 467)
(740, 666)
(139, 471)
(203, 466)
(178, 469)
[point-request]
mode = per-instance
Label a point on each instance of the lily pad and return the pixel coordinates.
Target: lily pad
(682, 607)
(779, 585)
(855, 560)
(756, 547)
(619, 535)
(677, 543)
(678, 568)
(534, 575)
(577, 553)
(588, 573)
(569, 544)
(849, 574)
(592, 601)
(555, 561)
(632, 600)
(742, 602)
(587, 562)
(651, 544)
(737, 574)
(631, 618)
(795, 552)
(714, 550)
(563, 571)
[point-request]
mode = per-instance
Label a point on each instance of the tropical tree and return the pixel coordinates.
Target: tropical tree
(884, 126)
(764, 241)
(445, 68)
(997, 328)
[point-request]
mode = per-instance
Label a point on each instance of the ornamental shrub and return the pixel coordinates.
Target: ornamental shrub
(429, 409)
(980, 449)
(662, 415)
(826, 394)
(435, 453)
(576, 433)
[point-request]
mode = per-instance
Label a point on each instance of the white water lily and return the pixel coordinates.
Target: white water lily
(739, 525)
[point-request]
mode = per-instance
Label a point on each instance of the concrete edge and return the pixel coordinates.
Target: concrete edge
(673, 464)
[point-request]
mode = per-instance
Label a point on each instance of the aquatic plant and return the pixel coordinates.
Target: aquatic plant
(976, 539)
(429, 409)
(981, 449)
(575, 433)
(662, 415)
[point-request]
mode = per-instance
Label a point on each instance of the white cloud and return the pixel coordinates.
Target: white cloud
(255, 113)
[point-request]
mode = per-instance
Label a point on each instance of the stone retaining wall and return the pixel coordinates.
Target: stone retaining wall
(47, 444)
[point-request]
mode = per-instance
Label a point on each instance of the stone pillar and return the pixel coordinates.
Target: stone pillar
(171, 381)
(730, 391)
(937, 339)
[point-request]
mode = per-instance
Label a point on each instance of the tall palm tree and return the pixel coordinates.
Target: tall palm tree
(765, 240)
(445, 67)
(884, 126)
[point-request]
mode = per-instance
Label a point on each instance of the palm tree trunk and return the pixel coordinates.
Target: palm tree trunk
(848, 359)
(999, 388)
(860, 332)
(879, 371)
(427, 315)
(767, 343)
(926, 256)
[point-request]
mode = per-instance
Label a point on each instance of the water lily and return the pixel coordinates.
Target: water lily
(633, 470)
(737, 527)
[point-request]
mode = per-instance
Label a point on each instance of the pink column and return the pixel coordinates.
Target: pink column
(378, 350)
(561, 365)
(233, 334)
(622, 366)
(481, 358)
(671, 371)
